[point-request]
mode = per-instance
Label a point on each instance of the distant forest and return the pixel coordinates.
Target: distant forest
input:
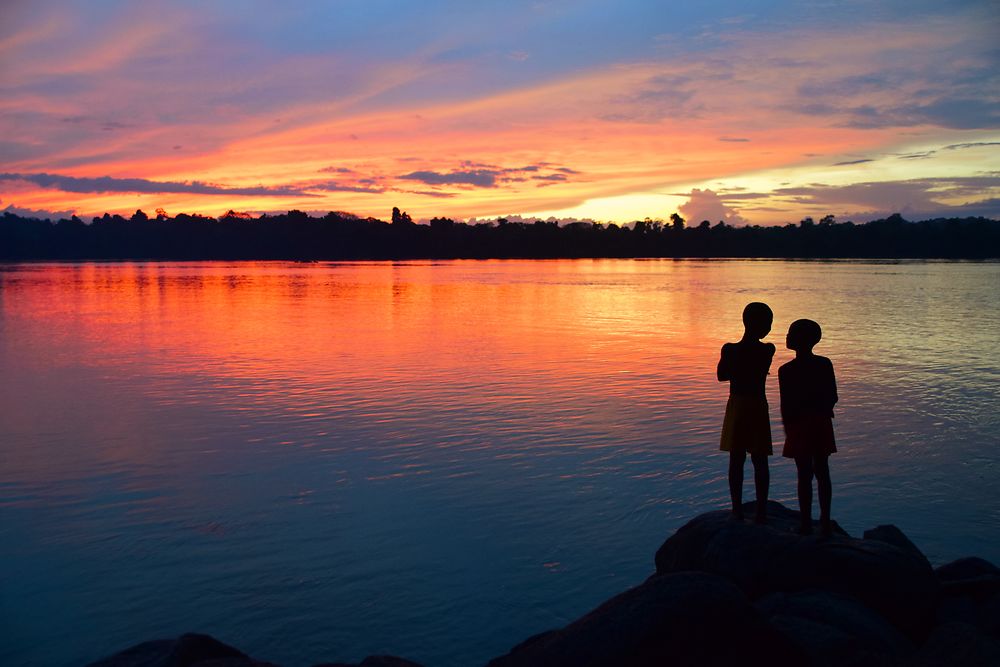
(342, 236)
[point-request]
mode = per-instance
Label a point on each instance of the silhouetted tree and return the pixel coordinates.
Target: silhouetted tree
(296, 235)
(442, 223)
(400, 218)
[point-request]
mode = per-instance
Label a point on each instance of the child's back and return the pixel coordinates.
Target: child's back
(745, 365)
(807, 386)
(747, 426)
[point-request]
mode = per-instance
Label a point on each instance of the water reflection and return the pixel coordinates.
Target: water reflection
(437, 459)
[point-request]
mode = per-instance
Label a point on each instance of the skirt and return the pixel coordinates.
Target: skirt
(747, 426)
(809, 435)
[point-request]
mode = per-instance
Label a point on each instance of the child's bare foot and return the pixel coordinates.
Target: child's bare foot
(736, 515)
(825, 528)
(760, 518)
(805, 529)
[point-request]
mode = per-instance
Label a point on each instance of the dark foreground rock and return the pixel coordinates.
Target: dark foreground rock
(814, 601)
(185, 651)
(687, 618)
(729, 592)
(194, 650)
(374, 661)
(894, 581)
(834, 630)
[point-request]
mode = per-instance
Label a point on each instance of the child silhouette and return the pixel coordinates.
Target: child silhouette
(747, 425)
(808, 393)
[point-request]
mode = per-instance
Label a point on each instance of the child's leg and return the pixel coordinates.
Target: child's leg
(804, 465)
(761, 480)
(736, 461)
(825, 489)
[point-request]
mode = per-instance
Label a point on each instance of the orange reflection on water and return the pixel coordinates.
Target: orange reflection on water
(356, 320)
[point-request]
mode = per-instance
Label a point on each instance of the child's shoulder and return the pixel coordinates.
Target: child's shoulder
(744, 347)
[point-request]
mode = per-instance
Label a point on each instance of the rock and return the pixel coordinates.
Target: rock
(970, 594)
(891, 535)
(957, 645)
(784, 518)
(966, 568)
(989, 617)
(834, 630)
(375, 661)
(147, 653)
(685, 618)
(188, 650)
(969, 576)
(771, 558)
(193, 650)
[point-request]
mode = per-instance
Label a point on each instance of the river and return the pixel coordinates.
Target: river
(317, 462)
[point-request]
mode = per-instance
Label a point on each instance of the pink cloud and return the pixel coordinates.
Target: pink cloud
(708, 205)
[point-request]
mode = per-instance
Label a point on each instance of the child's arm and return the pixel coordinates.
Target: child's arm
(724, 371)
(786, 398)
(832, 387)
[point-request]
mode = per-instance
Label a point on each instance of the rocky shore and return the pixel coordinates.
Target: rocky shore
(729, 592)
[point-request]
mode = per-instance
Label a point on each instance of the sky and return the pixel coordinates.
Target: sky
(747, 112)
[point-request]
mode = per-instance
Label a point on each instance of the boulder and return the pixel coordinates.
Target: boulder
(957, 645)
(982, 613)
(194, 650)
(970, 594)
(189, 650)
(374, 661)
(891, 535)
(969, 576)
(834, 630)
(762, 559)
(684, 618)
(967, 568)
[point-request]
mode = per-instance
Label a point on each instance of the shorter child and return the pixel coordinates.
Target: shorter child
(808, 393)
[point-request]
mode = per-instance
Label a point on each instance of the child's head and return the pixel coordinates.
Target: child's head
(757, 319)
(803, 335)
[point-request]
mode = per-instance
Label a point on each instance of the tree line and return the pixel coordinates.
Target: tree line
(341, 236)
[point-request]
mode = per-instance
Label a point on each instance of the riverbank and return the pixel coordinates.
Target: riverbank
(727, 591)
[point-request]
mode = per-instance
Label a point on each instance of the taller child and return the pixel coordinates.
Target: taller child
(747, 426)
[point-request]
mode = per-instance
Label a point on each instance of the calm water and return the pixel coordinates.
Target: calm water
(320, 462)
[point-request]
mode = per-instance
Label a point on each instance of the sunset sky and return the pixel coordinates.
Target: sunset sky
(609, 110)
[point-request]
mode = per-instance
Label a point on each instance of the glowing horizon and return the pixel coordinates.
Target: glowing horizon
(605, 111)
